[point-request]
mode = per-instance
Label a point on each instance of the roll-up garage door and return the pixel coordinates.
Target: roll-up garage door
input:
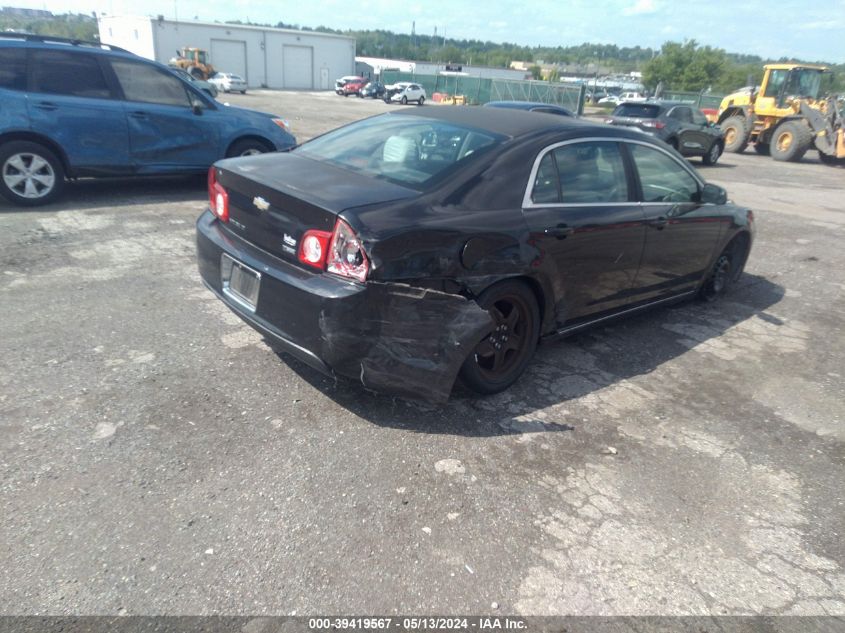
(229, 56)
(299, 67)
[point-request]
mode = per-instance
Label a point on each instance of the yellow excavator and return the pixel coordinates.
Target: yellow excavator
(195, 61)
(787, 115)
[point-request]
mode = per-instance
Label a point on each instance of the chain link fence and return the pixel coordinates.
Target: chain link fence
(478, 90)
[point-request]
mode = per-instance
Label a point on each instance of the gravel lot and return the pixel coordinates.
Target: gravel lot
(157, 457)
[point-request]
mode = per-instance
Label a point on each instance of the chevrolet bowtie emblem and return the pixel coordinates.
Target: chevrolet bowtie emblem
(260, 203)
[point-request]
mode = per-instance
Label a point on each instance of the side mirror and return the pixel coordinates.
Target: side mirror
(713, 194)
(197, 106)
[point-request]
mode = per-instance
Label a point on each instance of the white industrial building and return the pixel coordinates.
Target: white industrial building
(265, 57)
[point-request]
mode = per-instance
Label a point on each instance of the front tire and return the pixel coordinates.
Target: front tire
(404, 100)
(712, 155)
(30, 174)
(501, 358)
(248, 147)
(421, 101)
(736, 134)
(831, 160)
(726, 270)
(791, 141)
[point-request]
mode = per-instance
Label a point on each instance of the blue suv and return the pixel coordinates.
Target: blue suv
(71, 109)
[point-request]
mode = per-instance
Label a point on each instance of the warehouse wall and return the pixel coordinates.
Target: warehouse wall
(273, 58)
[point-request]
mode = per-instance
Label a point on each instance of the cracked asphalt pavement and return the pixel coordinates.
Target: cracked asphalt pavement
(158, 457)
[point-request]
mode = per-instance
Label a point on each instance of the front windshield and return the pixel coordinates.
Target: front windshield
(411, 151)
(201, 57)
(804, 82)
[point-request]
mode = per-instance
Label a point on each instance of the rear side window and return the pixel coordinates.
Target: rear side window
(637, 110)
(70, 74)
(13, 68)
(591, 173)
(145, 83)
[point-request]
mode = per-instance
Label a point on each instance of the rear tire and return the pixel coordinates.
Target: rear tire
(30, 174)
(404, 100)
(421, 101)
(503, 355)
(762, 148)
(248, 147)
(790, 141)
(736, 134)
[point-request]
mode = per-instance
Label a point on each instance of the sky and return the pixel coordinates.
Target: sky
(769, 28)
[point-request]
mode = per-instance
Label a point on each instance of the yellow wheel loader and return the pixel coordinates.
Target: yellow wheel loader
(785, 116)
(195, 61)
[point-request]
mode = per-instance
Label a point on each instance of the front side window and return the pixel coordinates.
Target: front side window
(145, 83)
(13, 68)
(70, 74)
(662, 178)
(591, 172)
(698, 118)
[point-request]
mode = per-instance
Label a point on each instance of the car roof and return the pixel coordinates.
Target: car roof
(46, 42)
(512, 122)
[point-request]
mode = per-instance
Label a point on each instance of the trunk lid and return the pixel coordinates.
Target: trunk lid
(274, 198)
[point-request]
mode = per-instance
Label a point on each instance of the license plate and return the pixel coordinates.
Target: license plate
(240, 282)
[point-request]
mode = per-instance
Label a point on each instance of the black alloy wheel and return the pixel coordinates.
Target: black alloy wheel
(500, 359)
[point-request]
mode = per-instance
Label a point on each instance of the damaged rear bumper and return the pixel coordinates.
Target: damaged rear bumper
(392, 338)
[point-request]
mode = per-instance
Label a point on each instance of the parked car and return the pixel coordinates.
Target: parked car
(409, 248)
(340, 83)
(681, 125)
(205, 86)
(531, 106)
(229, 82)
(403, 92)
(622, 98)
(374, 89)
(71, 109)
(593, 96)
(354, 86)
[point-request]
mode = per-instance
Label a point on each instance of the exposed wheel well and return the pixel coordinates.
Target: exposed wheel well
(41, 140)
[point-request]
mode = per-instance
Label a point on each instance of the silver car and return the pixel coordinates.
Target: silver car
(229, 82)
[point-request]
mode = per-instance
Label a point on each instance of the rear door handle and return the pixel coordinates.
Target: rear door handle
(46, 105)
(561, 231)
(138, 115)
(658, 223)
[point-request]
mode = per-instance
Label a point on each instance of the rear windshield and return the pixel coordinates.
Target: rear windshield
(637, 110)
(410, 151)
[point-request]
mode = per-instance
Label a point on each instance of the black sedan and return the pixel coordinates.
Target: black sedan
(681, 125)
(410, 248)
(531, 106)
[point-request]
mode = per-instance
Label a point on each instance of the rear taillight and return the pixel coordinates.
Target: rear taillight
(346, 255)
(657, 125)
(218, 198)
(314, 248)
(339, 252)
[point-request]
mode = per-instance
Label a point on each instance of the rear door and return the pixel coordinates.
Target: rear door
(164, 132)
(682, 233)
(71, 102)
(587, 226)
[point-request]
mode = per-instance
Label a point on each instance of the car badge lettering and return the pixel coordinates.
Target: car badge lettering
(289, 240)
(260, 203)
